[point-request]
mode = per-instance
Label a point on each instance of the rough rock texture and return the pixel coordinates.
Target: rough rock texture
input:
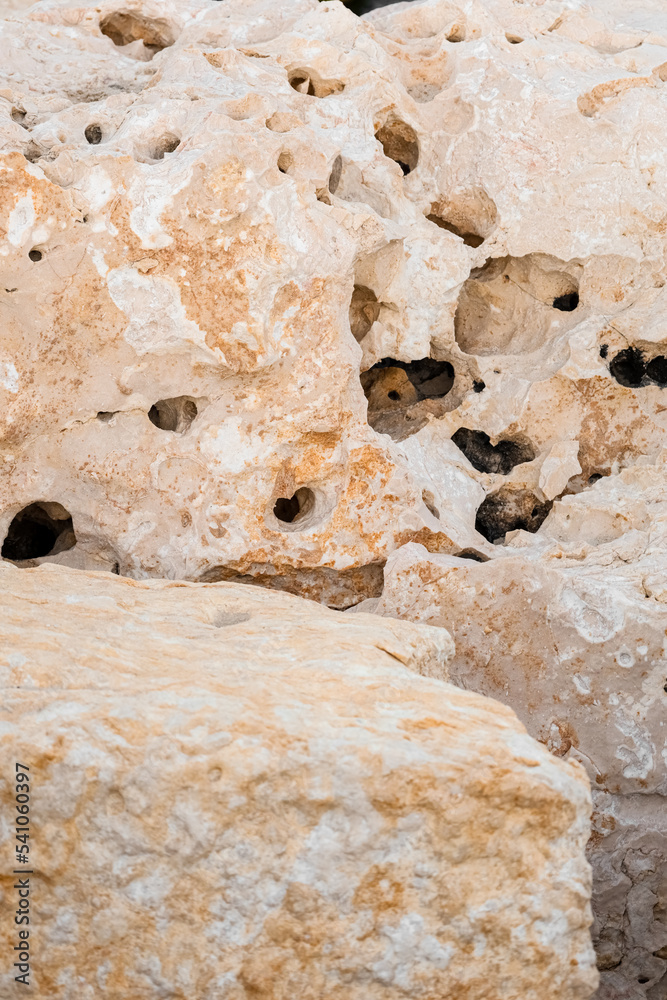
(569, 628)
(238, 794)
(287, 294)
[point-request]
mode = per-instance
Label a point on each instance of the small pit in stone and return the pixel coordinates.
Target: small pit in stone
(306, 81)
(628, 367)
(457, 33)
(167, 143)
(468, 212)
(656, 370)
(94, 135)
(472, 554)
(567, 302)
(470, 239)
(508, 509)
(125, 26)
(399, 142)
(174, 414)
(335, 175)
(364, 310)
(40, 529)
(492, 458)
(294, 509)
(35, 255)
(224, 619)
(285, 161)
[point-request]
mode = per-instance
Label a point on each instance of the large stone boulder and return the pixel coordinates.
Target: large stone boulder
(238, 794)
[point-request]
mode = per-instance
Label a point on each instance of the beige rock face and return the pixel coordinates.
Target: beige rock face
(239, 794)
(216, 215)
(295, 298)
(569, 628)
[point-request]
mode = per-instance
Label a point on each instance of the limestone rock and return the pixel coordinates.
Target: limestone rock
(569, 628)
(216, 215)
(239, 794)
(287, 294)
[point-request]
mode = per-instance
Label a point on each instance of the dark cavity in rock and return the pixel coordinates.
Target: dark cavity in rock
(567, 302)
(40, 529)
(508, 509)
(486, 457)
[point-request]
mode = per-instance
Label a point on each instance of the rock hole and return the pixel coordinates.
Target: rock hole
(32, 152)
(513, 39)
(364, 310)
(604, 350)
(506, 306)
(104, 416)
(123, 27)
(567, 302)
(429, 502)
(334, 176)
(168, 143)
(472, 554)
(657, 370)
(40, 529)
(470, 239)
(456, 34)
(19, 116)
(226, 618)
(508, 509)
(291, 510)
(35, 255)
(300, 83)
(399, 142)
(423, 379)
(644, 979)
(285, 161)
(174, 414)
(478, 386)
(485, 457)
(306, 81)
(628, 367)
(594, 478)
(282, 121)
(93, 135)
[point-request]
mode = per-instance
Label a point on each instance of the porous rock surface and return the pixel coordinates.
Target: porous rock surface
(239, 794)
(288, 294)
(569, 627)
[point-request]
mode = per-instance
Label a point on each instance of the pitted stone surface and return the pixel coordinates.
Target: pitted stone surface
(568, 626)
(287, 294)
